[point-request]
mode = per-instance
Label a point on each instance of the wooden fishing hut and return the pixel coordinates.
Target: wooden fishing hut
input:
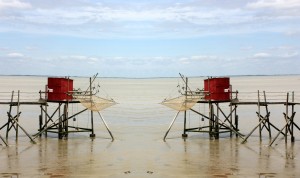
(54, 105)
(59, 91)
(217, 91)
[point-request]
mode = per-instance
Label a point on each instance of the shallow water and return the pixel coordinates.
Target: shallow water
(138, 124)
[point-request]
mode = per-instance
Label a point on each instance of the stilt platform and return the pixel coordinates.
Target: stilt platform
(229, 122)
(217, 91)
(50, 120)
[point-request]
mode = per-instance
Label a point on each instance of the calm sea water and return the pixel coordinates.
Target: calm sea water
(138, 123)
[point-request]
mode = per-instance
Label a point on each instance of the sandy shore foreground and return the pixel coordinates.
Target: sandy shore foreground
(142, 153)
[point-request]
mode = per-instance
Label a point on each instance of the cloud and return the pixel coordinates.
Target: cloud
(13, 4)
(203, 58)
(293, 32)
(75, 59)
(261, 55)
(276, 4)
(126, 66)
(184, 60)
(4, 49)
(141, 20)
(290, 54)
(15, 55)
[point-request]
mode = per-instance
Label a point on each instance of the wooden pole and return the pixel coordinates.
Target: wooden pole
(18, 125)
(292, 119)
(92, 135)
(112, 138)
(285, 127)
(259, 119)
(41, 115)
(10, 108)
(211, 120)
(286, 116)
(46, 118)
(59, 124)
(3, 140)
(184, 135)
(17, 119)
(236, 117)
(231, 118)
(171, 126)
(217, 122)
(236, 121)
(65, 120)
(268, 118)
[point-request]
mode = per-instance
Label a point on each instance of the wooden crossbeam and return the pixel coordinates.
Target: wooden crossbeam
(289, 120)
(18, 125)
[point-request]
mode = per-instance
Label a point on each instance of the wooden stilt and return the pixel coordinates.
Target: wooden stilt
(59, 123)
(3, 140)
(18, 125)
(65, 122)
(228, 116)
(289, 126)
(259, 119)
(211, 120)
(10, 108)
(289, 119)
(17, 119)
(171, 126)
(286, 116)
(268, 118)
(236, 121)
(92, 135)
(292, 119)
(55, 123)
(184, 135)
(217, 122)
(112, 138)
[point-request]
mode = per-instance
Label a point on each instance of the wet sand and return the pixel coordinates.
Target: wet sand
(147, 156)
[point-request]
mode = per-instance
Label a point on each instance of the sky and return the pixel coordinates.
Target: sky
(143, 38)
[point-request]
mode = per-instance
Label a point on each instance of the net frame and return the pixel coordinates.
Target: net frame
(182, 103)
(95, 103)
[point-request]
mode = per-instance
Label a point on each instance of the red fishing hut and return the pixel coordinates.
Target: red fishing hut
(217, 89)
(59, 89)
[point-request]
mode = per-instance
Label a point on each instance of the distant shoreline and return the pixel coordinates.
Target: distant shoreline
(3, 75)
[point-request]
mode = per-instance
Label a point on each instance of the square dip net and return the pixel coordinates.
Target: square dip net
(182, 103)
(95, 103)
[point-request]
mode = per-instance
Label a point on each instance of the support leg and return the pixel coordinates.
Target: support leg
(217, 123)
(8, 120)
(3, 140)
(285, 127)
(268, 118)
(112, 138)
(236, 121)
(184, 135)
(211, 121)
(259, 124)
(18, 125)
(171, 126)
(92, 135)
